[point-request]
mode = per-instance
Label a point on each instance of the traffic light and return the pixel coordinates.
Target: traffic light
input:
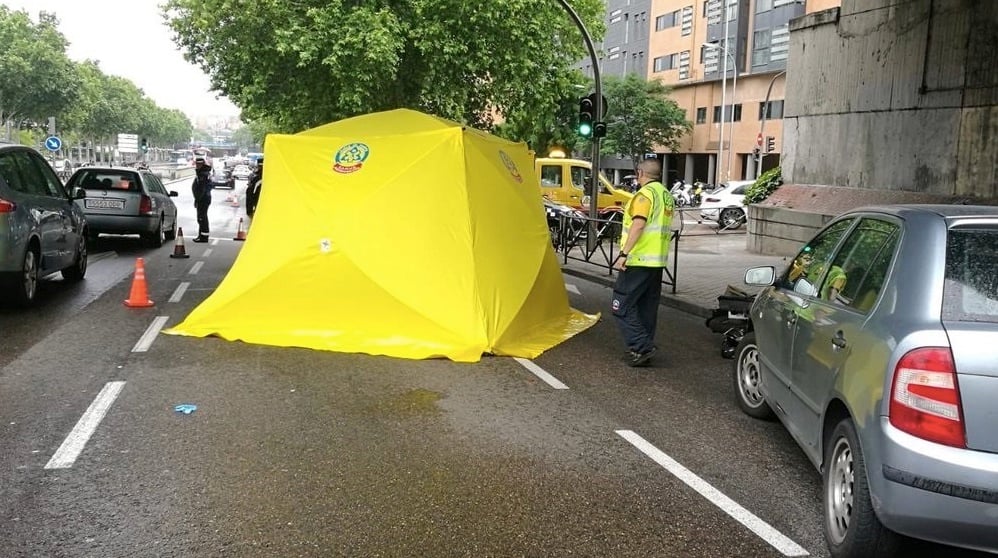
(586, 116)
(770, 144)
(143, 145)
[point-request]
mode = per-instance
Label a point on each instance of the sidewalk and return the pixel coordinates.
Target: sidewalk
(707, 264)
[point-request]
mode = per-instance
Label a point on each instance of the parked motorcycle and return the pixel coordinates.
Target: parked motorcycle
(682, 194)
(574, 221)
(731, 317)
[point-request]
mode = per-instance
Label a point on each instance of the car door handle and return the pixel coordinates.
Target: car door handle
(838, 341)
(790, 318)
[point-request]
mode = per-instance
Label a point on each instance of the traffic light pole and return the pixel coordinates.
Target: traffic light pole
(597, 117)
(762, 123)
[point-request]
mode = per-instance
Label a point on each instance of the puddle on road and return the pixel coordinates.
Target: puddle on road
(414, 402)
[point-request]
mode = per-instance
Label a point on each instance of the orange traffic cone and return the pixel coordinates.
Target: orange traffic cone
(139, 298)
(240, 233)
(179, 251)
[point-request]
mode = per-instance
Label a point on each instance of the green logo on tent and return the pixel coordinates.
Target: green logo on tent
(507, 162)
(350, 158)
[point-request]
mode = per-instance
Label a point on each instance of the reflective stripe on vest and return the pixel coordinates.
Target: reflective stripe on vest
(652, 247)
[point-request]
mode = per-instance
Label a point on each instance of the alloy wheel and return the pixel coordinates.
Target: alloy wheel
(748, 376)
(29, 275)
(841, 482)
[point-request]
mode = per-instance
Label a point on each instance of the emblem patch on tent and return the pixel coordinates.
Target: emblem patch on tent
(350, 158)
(507, 162)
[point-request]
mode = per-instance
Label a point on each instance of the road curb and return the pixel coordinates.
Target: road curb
(668, 299)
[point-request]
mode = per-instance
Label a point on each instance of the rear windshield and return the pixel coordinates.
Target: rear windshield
(971, 290)
(106, 180)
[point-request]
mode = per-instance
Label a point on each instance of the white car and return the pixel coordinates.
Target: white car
(726, 205)
(242, 172)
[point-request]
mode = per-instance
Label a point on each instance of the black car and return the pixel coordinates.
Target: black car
(222, 178)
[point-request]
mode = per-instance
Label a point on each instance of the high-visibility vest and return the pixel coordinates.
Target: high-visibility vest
(652, 248)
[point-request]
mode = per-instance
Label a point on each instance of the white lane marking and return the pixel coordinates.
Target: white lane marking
(766, 532)
(196, 268)
(71, 447)
(179, 293)
(150, 335)
(206, 253)
(214, 242)
(572, 288)
(541, 373)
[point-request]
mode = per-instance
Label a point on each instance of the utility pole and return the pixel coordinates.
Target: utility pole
(762, 123)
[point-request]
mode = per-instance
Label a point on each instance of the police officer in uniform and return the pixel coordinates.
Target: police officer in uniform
(201, 188)
(644, 253)
(253, 187)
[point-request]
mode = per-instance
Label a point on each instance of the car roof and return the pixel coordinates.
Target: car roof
(945, 211)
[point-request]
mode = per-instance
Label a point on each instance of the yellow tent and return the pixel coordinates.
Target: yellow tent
(395, 233)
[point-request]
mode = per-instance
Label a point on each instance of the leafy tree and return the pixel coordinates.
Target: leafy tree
(766, 184)
(641, 117)
(304, 63)
(38, 79)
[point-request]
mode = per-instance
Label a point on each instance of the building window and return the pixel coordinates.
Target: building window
(763, 6)
(760, 47)
(687, 20)
(668, 20)
(775, 110)
(667, 62)
(701, 115)
(780, 43)
(737, 109)
(778, 3)
(684, 65)
(713, 11)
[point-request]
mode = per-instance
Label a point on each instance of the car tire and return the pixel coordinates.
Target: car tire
(78, 270)
(25, 286)
(747, 375)
(172, 233)
(731, 218)
(852, 527)
(154, 239)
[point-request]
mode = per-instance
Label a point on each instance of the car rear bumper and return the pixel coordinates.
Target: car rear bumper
(930, 491)
(709, 214)
(119, 224)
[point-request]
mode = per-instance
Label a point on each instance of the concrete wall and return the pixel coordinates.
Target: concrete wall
(895, 95)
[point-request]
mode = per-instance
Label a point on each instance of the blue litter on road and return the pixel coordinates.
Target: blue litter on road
(186, 408)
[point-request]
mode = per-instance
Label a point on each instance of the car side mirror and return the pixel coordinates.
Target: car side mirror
(78, 193)
(761, 276)
(173, 193)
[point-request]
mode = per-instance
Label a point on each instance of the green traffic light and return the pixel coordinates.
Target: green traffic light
(585, 129)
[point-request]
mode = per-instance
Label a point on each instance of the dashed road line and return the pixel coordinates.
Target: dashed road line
(150, 335)
(214, 242)
(541, 373)
(572, 288)
(206, 253)
(72, 446)
(765, 531)
(179, 293)
(196, 268)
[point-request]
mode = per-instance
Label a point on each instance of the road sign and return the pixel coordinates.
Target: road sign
(128, 143)
(53, 143)
(758, 139)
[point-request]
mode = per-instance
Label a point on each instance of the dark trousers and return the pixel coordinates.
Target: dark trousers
(202, 209)
(636, 296)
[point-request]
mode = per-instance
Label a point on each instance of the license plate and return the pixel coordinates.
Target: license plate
(104, 204)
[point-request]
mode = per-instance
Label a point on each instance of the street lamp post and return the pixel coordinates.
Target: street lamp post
(762, 123)
(734, 96)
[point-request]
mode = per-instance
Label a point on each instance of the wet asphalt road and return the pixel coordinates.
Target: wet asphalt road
(294, 452)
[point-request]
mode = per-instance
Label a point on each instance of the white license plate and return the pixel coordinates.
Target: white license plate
(104, 204)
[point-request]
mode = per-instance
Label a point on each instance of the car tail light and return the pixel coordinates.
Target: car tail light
(925, 397)
(7, 206)
(715, 200)
(145, 205)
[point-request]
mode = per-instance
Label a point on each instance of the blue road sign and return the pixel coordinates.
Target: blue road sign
(53, 143)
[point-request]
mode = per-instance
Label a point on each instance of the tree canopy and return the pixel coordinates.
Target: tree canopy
(304, 63)
(41, 81)
(641, 117)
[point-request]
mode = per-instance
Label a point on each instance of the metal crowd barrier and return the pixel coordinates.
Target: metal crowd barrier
(597, 241)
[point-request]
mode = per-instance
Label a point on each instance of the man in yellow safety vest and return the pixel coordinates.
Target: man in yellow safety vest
(644, 252)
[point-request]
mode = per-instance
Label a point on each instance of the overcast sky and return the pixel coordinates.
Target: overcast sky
(130, 39)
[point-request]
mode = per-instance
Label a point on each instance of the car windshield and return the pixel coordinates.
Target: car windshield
(970, 293)
(97, 179)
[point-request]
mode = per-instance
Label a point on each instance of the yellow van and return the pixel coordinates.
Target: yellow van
(566, 181)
